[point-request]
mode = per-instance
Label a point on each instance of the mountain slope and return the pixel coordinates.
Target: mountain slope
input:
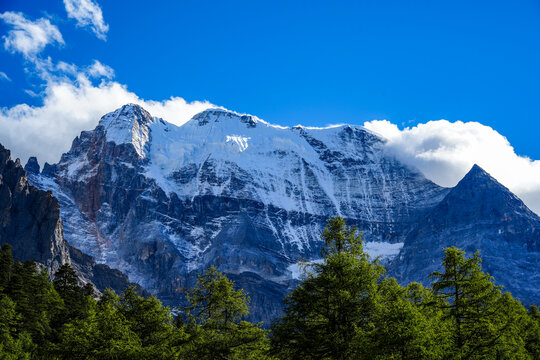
(478, 214)
(162, 202)
(30, 222)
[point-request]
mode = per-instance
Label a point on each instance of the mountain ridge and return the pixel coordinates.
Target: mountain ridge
(478, 214)
(247, 196)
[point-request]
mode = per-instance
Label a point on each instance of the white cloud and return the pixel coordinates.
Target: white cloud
(87, 13)
(4, 77)
(70, 106)
(444, 151)
(29, 37)
(98, 70)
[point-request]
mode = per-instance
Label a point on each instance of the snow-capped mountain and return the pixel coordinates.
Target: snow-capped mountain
(162, 202)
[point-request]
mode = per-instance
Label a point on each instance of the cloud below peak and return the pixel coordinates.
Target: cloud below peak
(445, 151)
(87, 13)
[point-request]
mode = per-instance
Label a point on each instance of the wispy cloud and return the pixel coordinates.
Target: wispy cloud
(29, 37)
(4, 77)
(444, 151)
(98, 70)
(87, 13)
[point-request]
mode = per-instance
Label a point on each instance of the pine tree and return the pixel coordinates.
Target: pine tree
(474, 305)
(149, 320)
(332, 313)
(531, 332)
(6, 266)
(215, 325)
(403, 329)
(103, 333)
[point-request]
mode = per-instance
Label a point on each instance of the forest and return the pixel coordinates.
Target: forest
(345, 307)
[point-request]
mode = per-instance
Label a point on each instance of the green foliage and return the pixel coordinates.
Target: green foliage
(332, 313)
(344, 308)
(214, 322)
(484, 323)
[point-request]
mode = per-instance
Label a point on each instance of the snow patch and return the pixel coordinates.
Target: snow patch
(300, 269)
(387, 251)
(241, 141)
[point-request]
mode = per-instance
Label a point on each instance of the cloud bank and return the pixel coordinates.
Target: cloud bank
(445, 151)
(29, 37)
(72, 105)
(87, 14)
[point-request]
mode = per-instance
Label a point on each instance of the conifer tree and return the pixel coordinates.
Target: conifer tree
(531, 335)
(474, 305)
(332, 313)
(214, 322)
(67, 285)
(6, 265)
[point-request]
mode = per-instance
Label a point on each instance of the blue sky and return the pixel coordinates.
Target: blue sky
(395, 67)
(316, 62)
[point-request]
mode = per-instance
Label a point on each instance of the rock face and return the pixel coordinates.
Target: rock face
(29, 218)
(478, 214)
(30, 222)
(162, 203)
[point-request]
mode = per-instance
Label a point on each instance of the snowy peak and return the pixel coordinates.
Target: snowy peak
(211, 116)
(128, 124)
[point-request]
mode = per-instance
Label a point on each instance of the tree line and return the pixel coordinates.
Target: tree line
(345, 307)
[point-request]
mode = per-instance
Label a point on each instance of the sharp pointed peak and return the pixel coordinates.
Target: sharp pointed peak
(128, 124)
(477, 173)
(32, 165)
(127, 113)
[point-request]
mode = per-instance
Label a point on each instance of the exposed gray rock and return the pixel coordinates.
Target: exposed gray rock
(30, 222)
(163, 203)
(478, 214)
(29, 218)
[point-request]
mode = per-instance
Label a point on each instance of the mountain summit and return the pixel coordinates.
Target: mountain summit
(162, 202)
(128, 125)
(478, 214)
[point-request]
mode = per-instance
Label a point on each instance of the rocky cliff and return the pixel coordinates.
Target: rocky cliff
(478, 214)
(30, 222)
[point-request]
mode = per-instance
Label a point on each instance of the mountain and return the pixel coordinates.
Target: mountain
(162, 203)
(30, 222)
(478, 214)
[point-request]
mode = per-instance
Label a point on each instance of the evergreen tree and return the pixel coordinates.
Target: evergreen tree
(481, 317)
(36, 301)
(104, 333)
(531, 332)
(332, 313)
(149, 320)
(214, 322)
(402, 329)
(6, 266)
(66, 284)
(13, 345)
